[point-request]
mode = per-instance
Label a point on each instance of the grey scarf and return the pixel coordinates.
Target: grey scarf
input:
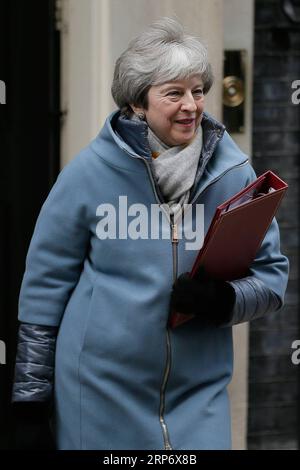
(175, 168)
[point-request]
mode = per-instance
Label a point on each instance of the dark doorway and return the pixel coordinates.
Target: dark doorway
(29, 155)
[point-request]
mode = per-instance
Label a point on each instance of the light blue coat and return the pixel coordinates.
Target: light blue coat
(123, 380)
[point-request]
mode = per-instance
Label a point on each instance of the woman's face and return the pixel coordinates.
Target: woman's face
(175, 110)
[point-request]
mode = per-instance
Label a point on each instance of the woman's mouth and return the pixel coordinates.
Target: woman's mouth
(186, 122)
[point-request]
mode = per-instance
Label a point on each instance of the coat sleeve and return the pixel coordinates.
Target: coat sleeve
(263, 291)
(53, 266)
(57, 251)
(34, 368)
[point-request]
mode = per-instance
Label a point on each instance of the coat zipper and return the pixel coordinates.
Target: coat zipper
(165, 432)
(175, 248)
(174, 239)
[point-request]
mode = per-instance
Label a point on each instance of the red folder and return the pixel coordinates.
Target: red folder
(237, 231)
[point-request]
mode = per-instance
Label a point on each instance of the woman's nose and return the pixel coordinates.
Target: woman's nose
(188, 103)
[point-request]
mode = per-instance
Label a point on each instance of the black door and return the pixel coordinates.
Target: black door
(29, 156)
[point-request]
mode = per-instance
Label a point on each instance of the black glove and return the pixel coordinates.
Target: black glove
(32, 426)
(211, 300)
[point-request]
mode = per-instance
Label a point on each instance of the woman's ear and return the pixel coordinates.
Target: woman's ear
(139, 112)
(137, 109)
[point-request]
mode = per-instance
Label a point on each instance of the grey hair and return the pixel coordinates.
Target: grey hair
(160, 54)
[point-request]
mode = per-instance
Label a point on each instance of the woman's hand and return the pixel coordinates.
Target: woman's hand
(211, 300)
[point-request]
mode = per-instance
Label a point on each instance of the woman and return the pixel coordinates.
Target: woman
(97, 288)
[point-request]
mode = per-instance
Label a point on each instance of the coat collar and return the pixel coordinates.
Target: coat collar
(134, 133)
(120, 139)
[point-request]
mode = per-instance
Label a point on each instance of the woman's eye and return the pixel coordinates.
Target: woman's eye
(198, 92)
(173, 93)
